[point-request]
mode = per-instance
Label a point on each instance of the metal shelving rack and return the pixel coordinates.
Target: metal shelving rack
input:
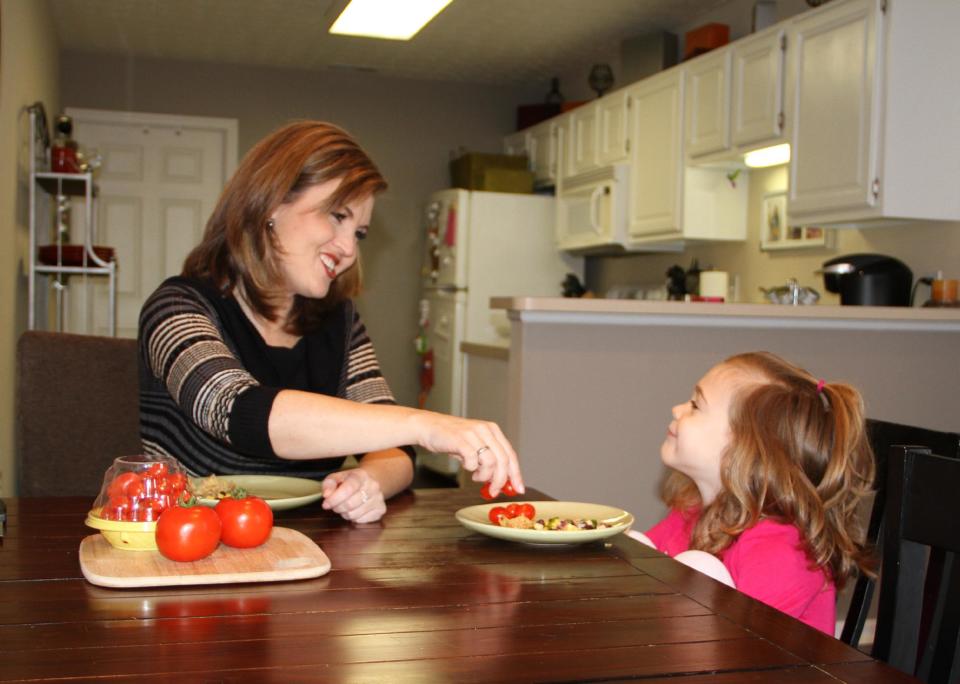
(55, 185)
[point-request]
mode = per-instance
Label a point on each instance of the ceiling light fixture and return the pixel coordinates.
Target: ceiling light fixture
(390, 19)
(768, 156)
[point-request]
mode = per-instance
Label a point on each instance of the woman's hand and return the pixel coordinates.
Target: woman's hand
(354, 495)
(479, 445)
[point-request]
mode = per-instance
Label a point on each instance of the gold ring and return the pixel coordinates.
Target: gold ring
(482, 449)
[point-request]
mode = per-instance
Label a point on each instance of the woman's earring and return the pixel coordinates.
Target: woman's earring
(271, 224)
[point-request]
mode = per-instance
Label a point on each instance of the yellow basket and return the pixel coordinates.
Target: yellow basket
(129, 536)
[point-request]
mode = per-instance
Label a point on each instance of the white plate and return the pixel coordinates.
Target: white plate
(475, 518)
(280, 492)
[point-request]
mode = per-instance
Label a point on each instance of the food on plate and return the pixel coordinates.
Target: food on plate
(246, 520)
(514, 515)
(188, 532)
(507, 490)
(569, 524)
(213, 487)
(141, 496)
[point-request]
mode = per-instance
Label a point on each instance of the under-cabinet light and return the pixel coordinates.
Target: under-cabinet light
(390, 19)
(768, 156)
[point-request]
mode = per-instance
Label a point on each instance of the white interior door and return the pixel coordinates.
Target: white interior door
(160, 178)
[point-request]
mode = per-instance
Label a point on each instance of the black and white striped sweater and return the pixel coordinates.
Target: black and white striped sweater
(208, 380)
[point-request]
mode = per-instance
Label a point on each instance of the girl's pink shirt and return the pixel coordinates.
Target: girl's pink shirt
(768, 563)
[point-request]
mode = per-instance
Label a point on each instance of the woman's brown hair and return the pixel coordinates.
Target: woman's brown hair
(798, 454)
(240, 248)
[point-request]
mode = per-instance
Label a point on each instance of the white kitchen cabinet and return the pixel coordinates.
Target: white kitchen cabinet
(580, 140)
(668, 201)
(708, 103)
(756, 111)
(542, 150)
(656, 111)
(613, 144)
(873, 106)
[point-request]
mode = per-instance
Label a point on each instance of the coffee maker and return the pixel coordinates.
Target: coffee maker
(868, 280)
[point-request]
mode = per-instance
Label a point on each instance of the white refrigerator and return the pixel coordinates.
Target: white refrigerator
(479, 245)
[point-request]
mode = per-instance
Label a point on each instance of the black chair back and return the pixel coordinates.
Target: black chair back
(77, 408)
(883, 435)
(923, 510)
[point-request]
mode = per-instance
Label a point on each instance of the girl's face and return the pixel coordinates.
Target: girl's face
(317, 243)
(700, 430)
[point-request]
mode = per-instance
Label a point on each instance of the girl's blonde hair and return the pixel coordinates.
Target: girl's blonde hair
(798, 454)
(239, 246)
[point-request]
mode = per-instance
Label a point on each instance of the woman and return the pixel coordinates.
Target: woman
(255, 360)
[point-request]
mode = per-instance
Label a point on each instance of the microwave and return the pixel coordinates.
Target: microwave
(592, 210)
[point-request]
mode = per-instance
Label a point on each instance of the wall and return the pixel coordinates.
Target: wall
(28, 73)
(408, 127)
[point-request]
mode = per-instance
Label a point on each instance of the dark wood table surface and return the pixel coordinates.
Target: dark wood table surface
(414, 598)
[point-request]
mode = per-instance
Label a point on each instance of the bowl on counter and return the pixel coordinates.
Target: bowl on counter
(792, 294)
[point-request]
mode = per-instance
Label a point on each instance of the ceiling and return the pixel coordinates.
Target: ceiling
(502, 42)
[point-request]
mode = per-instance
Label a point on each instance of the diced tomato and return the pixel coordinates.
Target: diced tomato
(513, 510)
(528, 511)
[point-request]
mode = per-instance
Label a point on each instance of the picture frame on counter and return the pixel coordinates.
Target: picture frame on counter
(777, 233)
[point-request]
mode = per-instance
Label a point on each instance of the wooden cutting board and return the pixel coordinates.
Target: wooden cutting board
(286, 555)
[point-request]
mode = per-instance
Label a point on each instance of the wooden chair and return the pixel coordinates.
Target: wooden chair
(883, 435)
(77, 408)
(923, 510)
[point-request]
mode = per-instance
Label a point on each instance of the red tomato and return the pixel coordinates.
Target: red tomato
(127, 484)
(513, 510)
(246, 521)
(188, 533)
(528, 511)
(507, 490)
(495, 514)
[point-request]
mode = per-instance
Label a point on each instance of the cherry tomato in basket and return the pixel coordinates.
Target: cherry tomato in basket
(127, 484)
(246, 521)
(188, 533)
(495, 513)
(528, 511)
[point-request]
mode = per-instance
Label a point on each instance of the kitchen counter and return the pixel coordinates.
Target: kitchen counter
(639, 312)
(591, 382)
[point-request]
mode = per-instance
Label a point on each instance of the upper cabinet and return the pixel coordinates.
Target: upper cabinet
(656, 113)
(708, 103)
(872, 110)
(580, 142)
(756, 113)
(539, 144)
(613, 143)
(669, 201)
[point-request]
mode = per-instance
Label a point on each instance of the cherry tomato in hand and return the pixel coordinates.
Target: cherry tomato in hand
(507, 489)
(188, 533)
(495, 513)
(246, 521)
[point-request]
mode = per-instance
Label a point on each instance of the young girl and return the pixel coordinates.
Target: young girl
(769, 465)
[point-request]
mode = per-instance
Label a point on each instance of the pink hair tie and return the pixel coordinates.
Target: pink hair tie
(823, 397)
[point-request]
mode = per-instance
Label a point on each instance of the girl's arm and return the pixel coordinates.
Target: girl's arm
(360, 494)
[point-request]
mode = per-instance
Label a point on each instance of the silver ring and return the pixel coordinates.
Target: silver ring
(363, 496)
(482, 449)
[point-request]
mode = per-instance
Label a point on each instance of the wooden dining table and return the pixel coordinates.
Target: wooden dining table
(415, 597)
